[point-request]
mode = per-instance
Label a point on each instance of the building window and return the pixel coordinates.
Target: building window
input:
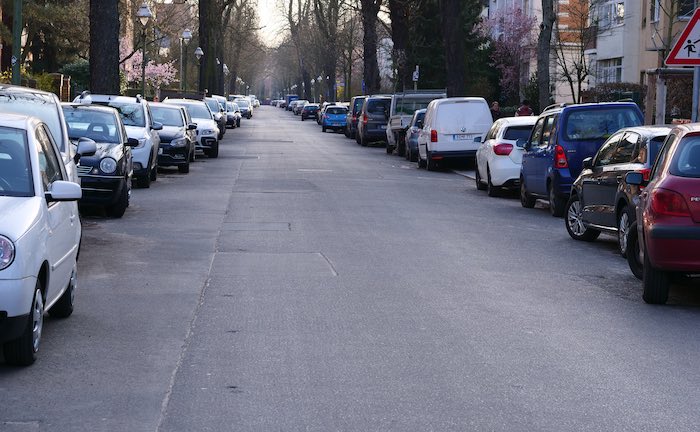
(610, 13)
(655, 10)
(686, 8)
(610, 70)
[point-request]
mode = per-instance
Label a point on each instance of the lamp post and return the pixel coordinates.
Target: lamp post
(199, 53)
(226, 72)
(144, 15)
(184, 40)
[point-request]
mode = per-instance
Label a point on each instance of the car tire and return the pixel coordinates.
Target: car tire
(421, 161)
(363, 141)
(192, 156)
(144, 182)
(64, 306)
(118, 209)
(154, 173)
(213, 152)
(624, 221)
(655, 284)
(22, 351)
(526, 200)
(491, 190)
(302, 118)
(323, 129)
(347, 132)
(477, 179)
(389, 149)
(430, 164)
(633, 260)
(357, 138)
(238, 123)
(400, 148)
(183, 168)
(557, 206)
(412, 157)
(574, 222)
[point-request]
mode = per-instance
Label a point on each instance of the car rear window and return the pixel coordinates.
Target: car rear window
(517, 132)
(378, 106)
(336, 110)
(411, 105)
(597, 124)
(131, 113)
(358, 105)
(686, 161)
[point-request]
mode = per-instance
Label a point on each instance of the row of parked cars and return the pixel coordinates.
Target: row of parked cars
(596, 164)
(55, 156)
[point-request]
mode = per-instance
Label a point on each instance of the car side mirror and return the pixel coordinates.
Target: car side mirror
(86, 147)
(61, 190)
(634, 178)
(192, 126)
(157, 126)
(132, 142)
(520, 143)
(587, 163)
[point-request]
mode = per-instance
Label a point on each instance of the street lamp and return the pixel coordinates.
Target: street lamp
(144, 14)
(199, 53)
(226, 72)
(184, 41)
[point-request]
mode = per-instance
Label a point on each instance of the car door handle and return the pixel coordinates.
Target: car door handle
(619, 178)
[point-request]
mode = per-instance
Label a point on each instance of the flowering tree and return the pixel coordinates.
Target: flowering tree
(157, 74)
(510, 32)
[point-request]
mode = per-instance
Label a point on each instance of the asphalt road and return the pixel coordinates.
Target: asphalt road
(301, 282)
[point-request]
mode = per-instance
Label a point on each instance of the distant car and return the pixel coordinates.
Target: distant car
(309, 111)
(39, 236)
(372, 120)
(499, 157)
(403, 106)
(298, 106)
(219, 115)
(412, 131)
(178, 137)
(105, 177)
(245, 107)
(562, 138)
(353, 115)
(207, 129)
(233, 115)
(600, 199)
(137, 118)
(334, 118)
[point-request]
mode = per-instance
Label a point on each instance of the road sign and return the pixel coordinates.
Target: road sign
(686, 51)
(415, 76)
(13, 60)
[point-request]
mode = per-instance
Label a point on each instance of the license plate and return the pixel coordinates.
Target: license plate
(462, 137)
(160, 151)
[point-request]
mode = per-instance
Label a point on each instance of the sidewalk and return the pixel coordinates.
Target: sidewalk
(470, 174)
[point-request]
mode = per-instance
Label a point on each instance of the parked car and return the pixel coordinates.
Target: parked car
(562, 138)
(233, 115)
(322, 110)
(137, 118)
(601, 200)
(178, 137)
(39, 235)
(334, 118)
(309, 111)
(411, 136)
(403, 106)
(207, 129)
(105, 176)
(245, 108)
(218, 114)
(298, 106)
(46, 107)
(453, 129)
(668, 214)
(499, 157)
(353, 115)
(372, 121)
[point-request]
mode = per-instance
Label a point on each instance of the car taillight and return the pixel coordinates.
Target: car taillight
(560, 160)
(503, 149)
(646, 173)
(433, 135)
(365, 119)
(354, 118)
(669, 203)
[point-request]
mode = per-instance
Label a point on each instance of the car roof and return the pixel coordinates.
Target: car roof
(101, 108)
(165, 105)
(114, 98)
(18, 121)
(8, 88)
(687, 128)
(182, 101)
(595, 105)
(651, 130)
(518, 121)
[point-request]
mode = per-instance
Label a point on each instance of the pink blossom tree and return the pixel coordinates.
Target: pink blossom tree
(512, 37)
(157, 74)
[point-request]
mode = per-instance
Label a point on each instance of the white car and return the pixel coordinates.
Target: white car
(500, 156)
(39, 234)
(207, 128)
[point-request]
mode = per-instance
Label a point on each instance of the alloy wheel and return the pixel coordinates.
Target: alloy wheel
(623, 228)
(573, 218)
(37, 320)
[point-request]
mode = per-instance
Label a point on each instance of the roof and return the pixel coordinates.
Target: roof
(100, 108)
(518, 121)
(8, 88)
(109, 98)
(164, 105)
(183, 101)
(559, 107)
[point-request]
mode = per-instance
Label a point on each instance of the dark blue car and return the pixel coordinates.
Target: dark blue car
(562, 138)
(335, 118)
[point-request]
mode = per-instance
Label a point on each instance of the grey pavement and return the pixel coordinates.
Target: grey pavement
(301, 282)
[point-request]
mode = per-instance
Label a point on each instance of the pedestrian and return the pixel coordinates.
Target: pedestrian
(495, 110)
(524, 109)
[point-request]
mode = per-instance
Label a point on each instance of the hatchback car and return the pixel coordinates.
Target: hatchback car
(601, 200)
(207, 130)
(105, 176)
(499, 157)
(233, 115)
(309, 111)
(562, 138)
(372, 120)
(668, 214)
(334, 118)
(299, 105)
(353, 114)
(178, 137)
(412, 132)
(39, 235)
(245, 108)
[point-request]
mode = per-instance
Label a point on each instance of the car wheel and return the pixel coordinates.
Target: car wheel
(64, 306)
(556, 204)
(213, 152)
(183, 168)
(655, 283)
(238, 123)
(526, 200)
(192, 156)
(357, 138)
(477, 179)
(22, 351)
(363, 141)
(347, 132)
(154, 173)
(412, 157)
(389, 149)
(633, 252)
(400, 148)
(144, 182)
(574, 221)
(491, 190)
(430, 164)
(118, 209)
(624, 220)
(323, 129)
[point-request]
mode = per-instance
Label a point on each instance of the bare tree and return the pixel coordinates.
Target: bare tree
(571, 41)
(543, 52)
(369, 10)
(104, 46)
(453, 34)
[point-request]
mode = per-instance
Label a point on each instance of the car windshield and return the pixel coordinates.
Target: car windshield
(15, 172)
(336, 110)
(686, 161)
(167, 116)
(97, 125)
(599, 124)
(131, 113)
(41, 106)
(242, 103)
(213, 105)
(408, 106)
(198, 111)
(515, 133)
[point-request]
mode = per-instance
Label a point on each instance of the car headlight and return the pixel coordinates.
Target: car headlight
(209, 132)
(108, 165)
(179, 142)
(7, 252)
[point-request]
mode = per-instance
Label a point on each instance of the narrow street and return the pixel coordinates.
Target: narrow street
(301, 282)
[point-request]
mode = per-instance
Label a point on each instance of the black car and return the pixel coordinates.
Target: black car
(601, 200)
(105, 177)
(177, 138)
(353, 114)
(372, 120)
(309, 111)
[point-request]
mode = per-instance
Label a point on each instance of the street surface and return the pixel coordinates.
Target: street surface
(301, 282)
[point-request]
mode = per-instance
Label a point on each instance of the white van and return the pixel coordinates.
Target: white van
(453, 129)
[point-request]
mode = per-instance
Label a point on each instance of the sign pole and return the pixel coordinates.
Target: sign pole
(696, 93)
(16, 42)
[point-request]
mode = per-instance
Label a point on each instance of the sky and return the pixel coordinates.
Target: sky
(270, 21)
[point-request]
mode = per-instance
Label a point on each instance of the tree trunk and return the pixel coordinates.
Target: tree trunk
(370, 9)
(398, 12)
(453, 35)
(543, 52)
(104, 46)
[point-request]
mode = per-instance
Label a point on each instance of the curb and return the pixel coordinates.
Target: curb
(466, 174)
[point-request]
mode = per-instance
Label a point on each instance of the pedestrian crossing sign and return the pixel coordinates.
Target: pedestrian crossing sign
(686, 51)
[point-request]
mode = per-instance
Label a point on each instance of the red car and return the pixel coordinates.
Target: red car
(668, 214)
